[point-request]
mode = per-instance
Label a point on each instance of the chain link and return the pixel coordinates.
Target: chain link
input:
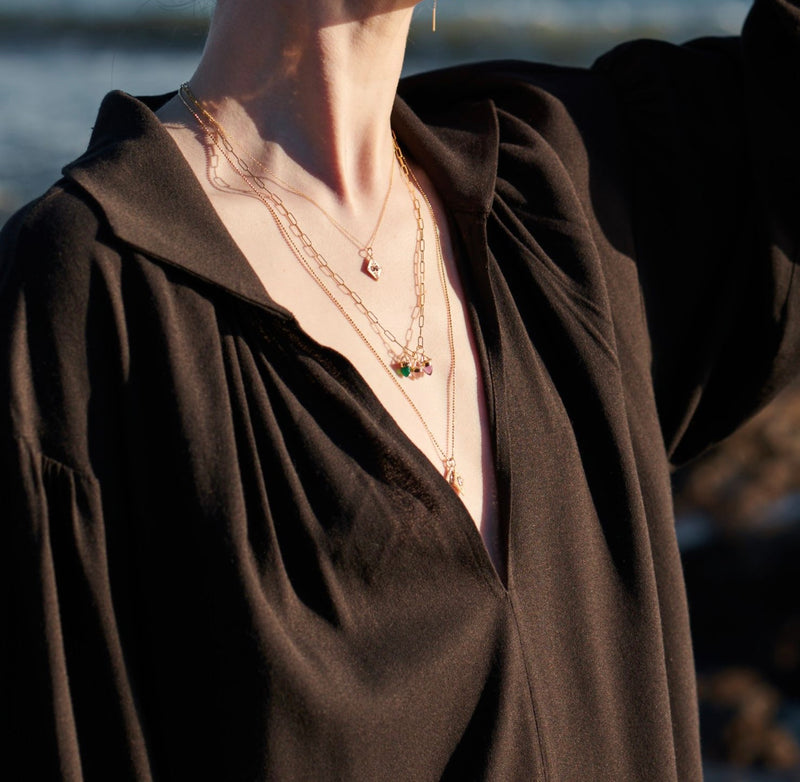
(365, 249)
(280, 213)
(404, 354)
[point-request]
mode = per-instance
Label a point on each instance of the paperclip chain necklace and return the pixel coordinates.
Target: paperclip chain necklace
(277, 211)
(365, 249)
(409, 363)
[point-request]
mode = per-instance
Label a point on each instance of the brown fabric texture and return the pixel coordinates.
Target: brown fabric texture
(220, 557)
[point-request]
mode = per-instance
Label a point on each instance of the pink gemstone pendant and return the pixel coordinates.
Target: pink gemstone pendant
(420, 367)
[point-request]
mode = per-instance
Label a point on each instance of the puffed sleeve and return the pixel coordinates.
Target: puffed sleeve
(64, 664)
(710, 131)
(61, 663)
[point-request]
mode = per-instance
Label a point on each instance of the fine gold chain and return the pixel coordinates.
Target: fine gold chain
(278, 211)
(409, 363)
(453, 477)
(365, 249)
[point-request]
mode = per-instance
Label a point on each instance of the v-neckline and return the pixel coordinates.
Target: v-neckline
(463, 521)
(138, 218)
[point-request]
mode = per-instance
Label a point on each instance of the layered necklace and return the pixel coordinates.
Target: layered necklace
(365, 249)
(407, 362)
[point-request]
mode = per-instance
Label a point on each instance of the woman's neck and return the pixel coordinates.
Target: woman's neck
(311, 96)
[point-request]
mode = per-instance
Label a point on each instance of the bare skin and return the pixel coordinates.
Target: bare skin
(311, 96)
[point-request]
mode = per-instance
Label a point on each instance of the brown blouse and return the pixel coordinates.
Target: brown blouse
(220, 559)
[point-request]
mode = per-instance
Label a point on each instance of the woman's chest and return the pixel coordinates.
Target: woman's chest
(407, 335)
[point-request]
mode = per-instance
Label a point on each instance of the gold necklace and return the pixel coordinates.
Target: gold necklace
(366, 249)
(409, 363)
(277, 210)
(453, 477)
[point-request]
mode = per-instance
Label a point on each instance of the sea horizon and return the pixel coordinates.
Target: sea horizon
(59, 57)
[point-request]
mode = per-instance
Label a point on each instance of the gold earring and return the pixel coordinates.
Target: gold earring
(434, 15)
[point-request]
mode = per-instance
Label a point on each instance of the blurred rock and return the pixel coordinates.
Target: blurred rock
(739, 482)
(744, 603)
(739, 713)
(739, 527)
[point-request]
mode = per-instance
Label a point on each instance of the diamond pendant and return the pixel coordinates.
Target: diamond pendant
(372, 267)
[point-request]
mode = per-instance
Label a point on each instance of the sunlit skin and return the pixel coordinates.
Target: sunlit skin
(307, 88)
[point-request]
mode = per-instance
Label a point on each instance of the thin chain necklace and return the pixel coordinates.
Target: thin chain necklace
(409, 362)
(292, 231)
(366, 249)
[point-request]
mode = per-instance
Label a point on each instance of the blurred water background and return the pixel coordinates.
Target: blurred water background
(59, 57)
(740, 536)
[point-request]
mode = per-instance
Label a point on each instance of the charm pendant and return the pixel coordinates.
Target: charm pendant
(453, 478)
(371, 266)
(415, 367)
